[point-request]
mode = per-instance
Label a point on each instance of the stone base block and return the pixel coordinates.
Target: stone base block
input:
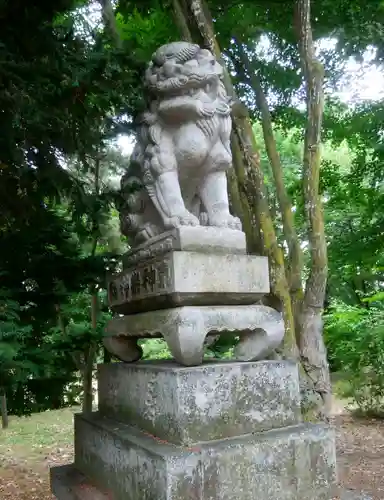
(209, 402)
(295, 463)
(183, 278)
(260, 328)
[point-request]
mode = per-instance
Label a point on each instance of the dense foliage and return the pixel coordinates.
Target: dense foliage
(70, 83)
(355, 337)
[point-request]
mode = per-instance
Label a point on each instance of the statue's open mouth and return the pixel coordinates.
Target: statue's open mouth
(193, 82)
(209, 89)
(196, 83)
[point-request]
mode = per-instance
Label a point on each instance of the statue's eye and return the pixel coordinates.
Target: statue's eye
(213, 62)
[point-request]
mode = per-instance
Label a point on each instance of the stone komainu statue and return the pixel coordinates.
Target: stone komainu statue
(176, 175)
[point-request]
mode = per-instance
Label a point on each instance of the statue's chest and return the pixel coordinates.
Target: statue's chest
(195, 137)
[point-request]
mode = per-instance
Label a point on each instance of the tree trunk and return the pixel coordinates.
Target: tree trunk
(84, 362)
(179, 9)
(87, 375)
(3, 409)
(312, 347)
(107, 356)
(295, 258)
(109, 19)
(89, 357)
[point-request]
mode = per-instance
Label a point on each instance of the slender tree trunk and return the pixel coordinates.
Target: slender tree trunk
(179, 9)
(295, 257)
(89, 355)
(87, 376)
(312, 347)
(87, 403)
(3, 409)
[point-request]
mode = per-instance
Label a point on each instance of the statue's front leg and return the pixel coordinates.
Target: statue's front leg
(214, 195)
(168, 200)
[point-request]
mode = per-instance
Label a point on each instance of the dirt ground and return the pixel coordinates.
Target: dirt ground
(24, 472)
(360, 447)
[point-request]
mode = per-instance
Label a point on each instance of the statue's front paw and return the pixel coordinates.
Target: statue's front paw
(184, 219)
(225, 220)
(235, 223)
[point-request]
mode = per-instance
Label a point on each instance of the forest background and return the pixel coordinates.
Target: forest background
(307, 180)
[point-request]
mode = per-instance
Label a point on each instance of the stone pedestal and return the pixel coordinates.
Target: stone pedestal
(188, 284)
(223, 431)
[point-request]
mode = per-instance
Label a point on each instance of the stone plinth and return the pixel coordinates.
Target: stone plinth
(216, 432)
(189, 239)
(288, 464)
(189, 278)
(205, 403)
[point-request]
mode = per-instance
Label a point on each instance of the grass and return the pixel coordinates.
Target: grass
(340, 385)
(34, 437)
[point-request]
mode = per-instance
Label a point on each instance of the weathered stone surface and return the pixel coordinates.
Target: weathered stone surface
(213, 401)
(177, 173)
(296, 463)
(216, 240)
(261, 330)
(354, 495)
(189, 278)
(67, 483)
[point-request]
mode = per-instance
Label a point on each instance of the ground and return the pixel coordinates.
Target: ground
(28, 448)
(31, 445)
